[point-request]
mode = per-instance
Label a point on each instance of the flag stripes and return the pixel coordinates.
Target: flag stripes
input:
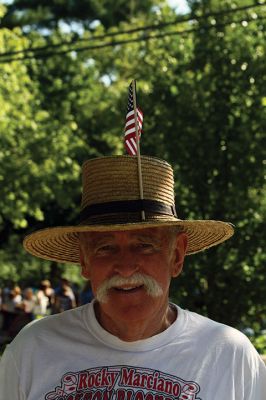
(130, 126)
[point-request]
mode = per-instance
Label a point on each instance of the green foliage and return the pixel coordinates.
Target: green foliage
(228, 129)
(47, 131)
(260, 343)
(48, 13)
(203, 96)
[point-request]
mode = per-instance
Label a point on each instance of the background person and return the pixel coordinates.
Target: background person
(86, 294)
(64, 297)
(45, 298)
(10, 307)
(24, 312)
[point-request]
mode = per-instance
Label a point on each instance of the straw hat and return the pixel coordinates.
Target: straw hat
(111, 202)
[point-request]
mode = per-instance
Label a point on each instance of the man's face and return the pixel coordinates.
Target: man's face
(116, 262)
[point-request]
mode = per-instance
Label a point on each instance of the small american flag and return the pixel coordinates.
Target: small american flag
(130, 128)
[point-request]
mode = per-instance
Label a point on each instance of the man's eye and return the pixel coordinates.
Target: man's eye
(146, 247)
(107, 248)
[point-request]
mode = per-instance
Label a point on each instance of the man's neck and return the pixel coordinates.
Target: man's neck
(130, 331)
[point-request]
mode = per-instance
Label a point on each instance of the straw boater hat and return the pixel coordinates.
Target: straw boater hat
(111, 202)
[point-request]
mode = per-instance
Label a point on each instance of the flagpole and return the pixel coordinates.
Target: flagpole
(138, 147)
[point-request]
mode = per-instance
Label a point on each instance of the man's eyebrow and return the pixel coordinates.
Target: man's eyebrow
(143, 236)
(93, 240)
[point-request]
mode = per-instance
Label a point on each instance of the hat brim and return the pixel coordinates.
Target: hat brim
(61, 243)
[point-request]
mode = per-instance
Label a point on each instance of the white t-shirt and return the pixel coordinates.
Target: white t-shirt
(69, 356)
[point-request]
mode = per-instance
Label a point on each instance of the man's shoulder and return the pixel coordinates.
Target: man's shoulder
(51, 326)
(213, 332)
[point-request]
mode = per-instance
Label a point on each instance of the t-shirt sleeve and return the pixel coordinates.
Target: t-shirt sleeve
(9, 378)
(249, 369)
(255, 379)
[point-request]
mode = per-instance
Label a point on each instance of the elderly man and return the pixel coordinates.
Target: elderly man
(130, 343)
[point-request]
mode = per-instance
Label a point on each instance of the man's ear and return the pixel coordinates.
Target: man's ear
(83, 262)
(180, 248)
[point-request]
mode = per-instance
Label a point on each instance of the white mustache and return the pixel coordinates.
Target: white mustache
(152, 287)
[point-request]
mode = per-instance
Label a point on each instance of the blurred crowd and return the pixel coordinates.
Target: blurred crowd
(20, 306)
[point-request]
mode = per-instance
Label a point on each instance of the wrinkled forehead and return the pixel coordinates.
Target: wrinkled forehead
(155, 233)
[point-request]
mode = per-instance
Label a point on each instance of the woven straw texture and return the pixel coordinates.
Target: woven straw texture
(110, 179)
(116, 179)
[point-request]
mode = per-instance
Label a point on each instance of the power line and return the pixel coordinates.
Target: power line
(132, 40)
(157, 26)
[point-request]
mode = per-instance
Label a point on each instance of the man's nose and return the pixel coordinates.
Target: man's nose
(126, 263)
